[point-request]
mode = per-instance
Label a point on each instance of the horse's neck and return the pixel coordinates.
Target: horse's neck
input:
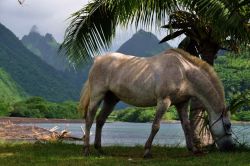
(207, 92)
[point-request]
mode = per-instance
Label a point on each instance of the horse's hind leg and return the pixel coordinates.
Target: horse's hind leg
(109, 103)
(93, 106)
(162, 106)
(182, 110)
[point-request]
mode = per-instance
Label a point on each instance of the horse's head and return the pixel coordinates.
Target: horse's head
(222, 132)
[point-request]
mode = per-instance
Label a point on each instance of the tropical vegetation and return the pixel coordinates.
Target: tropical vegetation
(32, 75)
(199, 20)
(37, 107)
(208, 24)
(233, 70)
(211, 24)
(136, 114)
(10, 92)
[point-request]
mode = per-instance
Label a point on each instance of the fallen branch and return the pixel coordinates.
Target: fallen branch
(10, 131)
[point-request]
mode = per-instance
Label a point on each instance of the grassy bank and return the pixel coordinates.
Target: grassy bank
(71, 154)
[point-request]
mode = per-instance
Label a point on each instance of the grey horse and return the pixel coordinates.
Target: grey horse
(170, 78)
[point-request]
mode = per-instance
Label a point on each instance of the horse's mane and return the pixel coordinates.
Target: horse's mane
(205, 66)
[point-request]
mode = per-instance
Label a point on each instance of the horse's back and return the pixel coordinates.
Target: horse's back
(130, 78)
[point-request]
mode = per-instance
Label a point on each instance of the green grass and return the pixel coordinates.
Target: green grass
(70, 154)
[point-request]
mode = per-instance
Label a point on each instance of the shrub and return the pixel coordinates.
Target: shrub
(171, 114)
(38, 107)
(135, 114)
(4, 108)
(241, 116)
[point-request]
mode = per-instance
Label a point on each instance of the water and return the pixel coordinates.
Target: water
(131, 134)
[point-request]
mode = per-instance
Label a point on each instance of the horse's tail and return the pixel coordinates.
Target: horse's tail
(84, 99)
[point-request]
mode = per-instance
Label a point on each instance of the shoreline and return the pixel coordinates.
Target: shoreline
(18, 120)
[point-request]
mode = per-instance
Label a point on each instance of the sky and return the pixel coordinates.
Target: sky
(51, 16)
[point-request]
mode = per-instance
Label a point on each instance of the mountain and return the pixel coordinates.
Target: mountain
(32, 74)
(9, 90)
(143, 44)
(46, 47)
(35, 73)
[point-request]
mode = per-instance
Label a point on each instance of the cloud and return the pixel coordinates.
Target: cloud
(50, 16)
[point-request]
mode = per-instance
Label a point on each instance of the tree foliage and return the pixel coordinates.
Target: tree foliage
(93, 27)
(37, 107)
(138, 114)
(234, 72)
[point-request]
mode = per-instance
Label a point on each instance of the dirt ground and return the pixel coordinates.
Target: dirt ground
(18, 120)
(10, 129)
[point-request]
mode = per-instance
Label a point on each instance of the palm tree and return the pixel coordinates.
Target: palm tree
(213, 24)
(210, 25)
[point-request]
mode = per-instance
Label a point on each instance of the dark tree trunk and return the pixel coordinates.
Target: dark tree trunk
(207, 51)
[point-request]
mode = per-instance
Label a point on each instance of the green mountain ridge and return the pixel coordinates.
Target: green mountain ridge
(140, 44)
(9, 90)
(36, 77)
(23, 73)
(46, 47)
(32, 74)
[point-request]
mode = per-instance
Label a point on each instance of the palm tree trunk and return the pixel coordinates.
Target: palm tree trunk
(202, 136)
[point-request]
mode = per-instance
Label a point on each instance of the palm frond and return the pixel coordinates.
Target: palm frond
(229, 18)
(172, 36)
(93, 27)
(221, 21)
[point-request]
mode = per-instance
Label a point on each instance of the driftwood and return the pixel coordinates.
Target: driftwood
(11, 131)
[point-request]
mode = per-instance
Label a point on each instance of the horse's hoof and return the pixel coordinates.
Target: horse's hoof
(197, 152)
(100, 151)
(86, 152)
(147, 154)
(97, 146)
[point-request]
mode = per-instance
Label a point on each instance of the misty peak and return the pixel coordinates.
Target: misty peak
(142, 33)
(34, 38)
(34, 29)
(49, 37)
(143, 43)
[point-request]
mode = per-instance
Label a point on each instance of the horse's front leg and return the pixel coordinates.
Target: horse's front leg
(162, 106)
(182, 110)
